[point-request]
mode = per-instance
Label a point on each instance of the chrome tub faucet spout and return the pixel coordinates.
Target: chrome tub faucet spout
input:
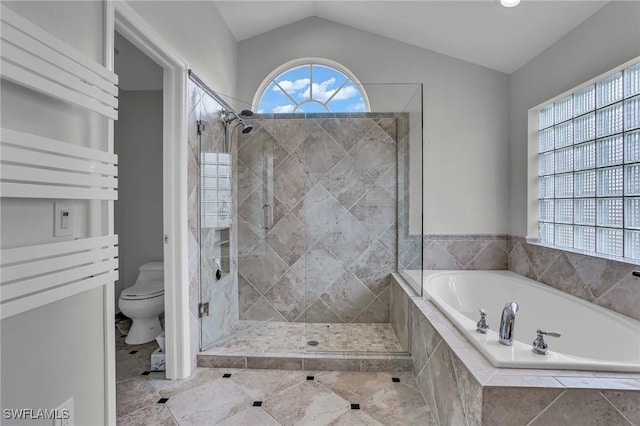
(507, 323)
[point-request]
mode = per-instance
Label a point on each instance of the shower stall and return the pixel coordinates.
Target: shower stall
(303, 218)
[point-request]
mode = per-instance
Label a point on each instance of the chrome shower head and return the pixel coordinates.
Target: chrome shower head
(246, 128)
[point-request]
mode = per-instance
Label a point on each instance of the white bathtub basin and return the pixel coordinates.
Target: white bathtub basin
(593, 338)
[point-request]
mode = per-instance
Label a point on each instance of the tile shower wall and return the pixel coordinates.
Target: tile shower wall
(607, 283)
(327, 189)
(222, 294)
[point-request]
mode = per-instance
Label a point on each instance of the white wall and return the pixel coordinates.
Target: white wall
(199, 35)
(138, 211)
(465, 113)
(54, 352)
(607, 39)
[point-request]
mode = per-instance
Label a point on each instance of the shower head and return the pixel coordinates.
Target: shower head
(246, 128)
(231, 116)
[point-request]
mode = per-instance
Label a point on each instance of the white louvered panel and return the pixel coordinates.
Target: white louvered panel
(32, 174)
(18, 306)
(47, 266)
(37, 167)
(21, 190)
(33, 58)
(22, 254)
(34, 276)
(13, 290)
(17, 155)
(28, 140)
(29, 60)
(31, 80)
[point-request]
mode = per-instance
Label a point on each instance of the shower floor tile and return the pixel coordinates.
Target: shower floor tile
(254, 337)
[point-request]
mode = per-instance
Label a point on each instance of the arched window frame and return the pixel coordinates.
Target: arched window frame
(296, 63)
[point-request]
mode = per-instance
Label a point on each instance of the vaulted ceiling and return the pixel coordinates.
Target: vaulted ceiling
(480, 31)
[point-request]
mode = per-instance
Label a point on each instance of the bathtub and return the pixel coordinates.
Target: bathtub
(592, 337)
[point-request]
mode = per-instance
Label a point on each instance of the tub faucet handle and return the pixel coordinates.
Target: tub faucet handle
(482, 326)
(539, 345)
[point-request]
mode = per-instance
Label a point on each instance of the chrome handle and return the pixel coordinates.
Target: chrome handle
(540, 347)
(549, 333)
(267, 216)
(482, 326)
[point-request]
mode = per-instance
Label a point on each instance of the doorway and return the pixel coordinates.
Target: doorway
(138, 212)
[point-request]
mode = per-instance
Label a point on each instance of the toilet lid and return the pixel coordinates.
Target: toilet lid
(144, 290)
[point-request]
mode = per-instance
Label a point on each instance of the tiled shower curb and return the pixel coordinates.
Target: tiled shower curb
(462, 387)
(310, 361)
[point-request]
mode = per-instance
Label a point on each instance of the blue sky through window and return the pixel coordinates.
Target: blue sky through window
(312, 88)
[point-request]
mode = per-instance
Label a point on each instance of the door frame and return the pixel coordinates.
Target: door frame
(120, 17)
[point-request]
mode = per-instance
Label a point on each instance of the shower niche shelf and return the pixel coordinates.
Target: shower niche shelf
(220, 252)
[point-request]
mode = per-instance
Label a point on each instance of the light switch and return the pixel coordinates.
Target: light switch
(62, 219)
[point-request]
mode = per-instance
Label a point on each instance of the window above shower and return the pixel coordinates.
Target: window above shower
(311, 86)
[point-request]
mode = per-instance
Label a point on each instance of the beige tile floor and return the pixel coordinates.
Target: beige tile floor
(253, 337)
(287, 397)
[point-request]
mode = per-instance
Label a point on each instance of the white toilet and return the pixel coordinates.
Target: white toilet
(143, 303)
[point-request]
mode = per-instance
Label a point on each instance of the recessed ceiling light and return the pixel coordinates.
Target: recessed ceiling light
(509, 3)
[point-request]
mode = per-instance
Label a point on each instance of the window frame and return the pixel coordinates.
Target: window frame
(309, 61)
(533, 169)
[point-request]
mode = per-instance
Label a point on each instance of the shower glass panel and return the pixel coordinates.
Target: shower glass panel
(329, 205)
(213, 231)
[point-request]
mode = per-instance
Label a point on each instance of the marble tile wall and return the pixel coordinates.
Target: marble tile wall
(326, 186)
(459, 252)
(222, 295)
(608, 283)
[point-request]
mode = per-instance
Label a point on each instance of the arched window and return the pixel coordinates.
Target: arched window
(311, 85)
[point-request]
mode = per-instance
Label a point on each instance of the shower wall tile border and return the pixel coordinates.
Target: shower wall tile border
(462, 387)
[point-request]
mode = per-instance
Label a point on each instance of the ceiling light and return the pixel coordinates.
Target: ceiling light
(509, 3)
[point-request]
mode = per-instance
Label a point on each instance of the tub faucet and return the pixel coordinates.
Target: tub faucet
(507, 322)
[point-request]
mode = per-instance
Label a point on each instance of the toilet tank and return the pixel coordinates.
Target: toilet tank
(152, 271)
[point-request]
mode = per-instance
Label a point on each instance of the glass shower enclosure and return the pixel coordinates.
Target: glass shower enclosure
(297, 225)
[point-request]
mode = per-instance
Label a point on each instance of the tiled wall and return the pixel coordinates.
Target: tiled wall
(465, 252)
(223, 294)
(607, 283)
(331, 184)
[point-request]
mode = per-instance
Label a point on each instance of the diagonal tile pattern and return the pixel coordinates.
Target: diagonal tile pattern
(286, 397)
(608, 283)
(334, 182)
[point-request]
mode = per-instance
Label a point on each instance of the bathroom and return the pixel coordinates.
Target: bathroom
(473, 130)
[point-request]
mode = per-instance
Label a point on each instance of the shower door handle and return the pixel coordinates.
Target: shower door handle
(267, 216)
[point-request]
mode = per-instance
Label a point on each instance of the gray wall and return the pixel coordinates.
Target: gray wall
(138, 211)
(604, 41)
(465, 114)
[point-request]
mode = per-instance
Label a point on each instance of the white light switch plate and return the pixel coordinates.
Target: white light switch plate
(62, 219)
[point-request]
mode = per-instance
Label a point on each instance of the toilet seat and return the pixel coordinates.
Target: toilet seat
(144, 290)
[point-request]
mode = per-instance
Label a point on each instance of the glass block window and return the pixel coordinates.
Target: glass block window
(312, 86)
(589, 167)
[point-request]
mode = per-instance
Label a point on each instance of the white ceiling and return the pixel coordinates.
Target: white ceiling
(478, 31)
